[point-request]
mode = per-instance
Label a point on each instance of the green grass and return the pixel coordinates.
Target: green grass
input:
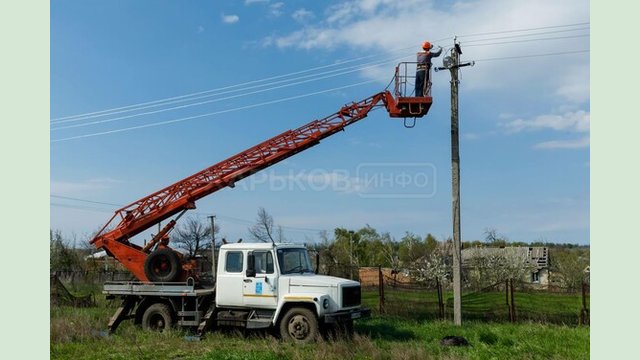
(76, 334)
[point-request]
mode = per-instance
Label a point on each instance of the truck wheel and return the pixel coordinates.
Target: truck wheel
(162, 265)
(157, 317)
(299, 325)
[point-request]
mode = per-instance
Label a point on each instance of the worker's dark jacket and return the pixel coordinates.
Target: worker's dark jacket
(424, 58)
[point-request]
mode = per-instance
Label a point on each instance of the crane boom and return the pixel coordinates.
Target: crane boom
(140, 215)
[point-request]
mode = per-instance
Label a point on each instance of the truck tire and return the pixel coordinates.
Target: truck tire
(162, 265)
(299, 325)
(157, 317)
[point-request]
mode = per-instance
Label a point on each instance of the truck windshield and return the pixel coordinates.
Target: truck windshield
(294, 261)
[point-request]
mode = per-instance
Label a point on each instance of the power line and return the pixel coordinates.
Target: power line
(118, 206)
(534, 55)
(224, 98)
(80, 207)
(526, 29)
(282, 100)
(165, 100)
(524, 35)
(103, 112)
(84, 200)
(357, 68)
(529, 40)
(213, 113)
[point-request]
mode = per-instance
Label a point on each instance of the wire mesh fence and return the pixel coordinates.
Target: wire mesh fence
(508, 301)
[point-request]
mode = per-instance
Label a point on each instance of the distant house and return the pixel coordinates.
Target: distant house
(103, 262)
(537, 257)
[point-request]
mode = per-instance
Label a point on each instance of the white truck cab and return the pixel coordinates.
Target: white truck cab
(278, 283)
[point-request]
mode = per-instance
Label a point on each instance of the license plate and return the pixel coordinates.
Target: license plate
(355, 315)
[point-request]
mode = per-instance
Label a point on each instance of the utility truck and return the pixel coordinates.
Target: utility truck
(255, 285)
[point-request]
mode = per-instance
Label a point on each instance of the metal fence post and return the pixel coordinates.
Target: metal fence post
(513, 304)
(381, 290)
(440, 299)
(584, 312)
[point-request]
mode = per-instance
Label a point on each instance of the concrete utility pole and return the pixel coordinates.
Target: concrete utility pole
(452, 63)
(213, 245)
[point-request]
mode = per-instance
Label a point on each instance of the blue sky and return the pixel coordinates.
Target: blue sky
(524, 113)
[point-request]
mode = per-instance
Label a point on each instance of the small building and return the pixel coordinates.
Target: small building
(537, 257)
(100, 261)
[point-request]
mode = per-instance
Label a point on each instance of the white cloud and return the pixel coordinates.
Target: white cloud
(276, 9)
(230, 19)
(385, 24)
(302, 15)
(200, 29)
(574, 85)
(572, 121)
(564, 144)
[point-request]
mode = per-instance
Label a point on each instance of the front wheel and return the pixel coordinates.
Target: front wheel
(299, 325)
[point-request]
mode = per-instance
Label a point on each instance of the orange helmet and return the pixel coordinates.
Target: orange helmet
(426, 45)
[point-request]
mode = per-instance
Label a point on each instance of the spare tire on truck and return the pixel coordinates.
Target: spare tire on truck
(162, 265)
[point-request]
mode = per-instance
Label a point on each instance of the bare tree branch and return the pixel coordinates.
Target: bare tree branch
(193, 235)
(263, 229)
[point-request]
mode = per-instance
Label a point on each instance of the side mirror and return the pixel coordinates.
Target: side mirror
(251, 261)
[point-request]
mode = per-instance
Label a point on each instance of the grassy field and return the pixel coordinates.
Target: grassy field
(79, 334)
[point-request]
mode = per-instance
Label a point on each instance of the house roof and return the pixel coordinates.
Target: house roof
(537, 255)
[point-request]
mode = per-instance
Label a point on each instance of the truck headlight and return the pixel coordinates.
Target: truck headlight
(325, 303)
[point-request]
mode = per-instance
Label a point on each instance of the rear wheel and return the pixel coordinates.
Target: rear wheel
(162, 265)
(299, 325)
(157, 317)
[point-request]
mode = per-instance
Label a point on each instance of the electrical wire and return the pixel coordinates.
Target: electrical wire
(228, 97)
(526, 29)
(168, 100)
(261, 104)
(523, 35)
(529, 40)
(534, 55)
(282, 100)
(214, 113)
(117, 206)
(105, 112)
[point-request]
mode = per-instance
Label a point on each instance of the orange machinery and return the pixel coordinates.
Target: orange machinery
(156, 261)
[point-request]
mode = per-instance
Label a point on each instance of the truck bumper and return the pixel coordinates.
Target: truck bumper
(342, 316)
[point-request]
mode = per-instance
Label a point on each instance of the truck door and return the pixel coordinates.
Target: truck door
(261, 290)
(229, 278)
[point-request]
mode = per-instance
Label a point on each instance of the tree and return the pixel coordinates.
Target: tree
(411, 249)
(390, 252)
(489, 266)
(193, 235)
(62, 253)
(432, 267)
(569, 267)
(494, 239)
(263, 230)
